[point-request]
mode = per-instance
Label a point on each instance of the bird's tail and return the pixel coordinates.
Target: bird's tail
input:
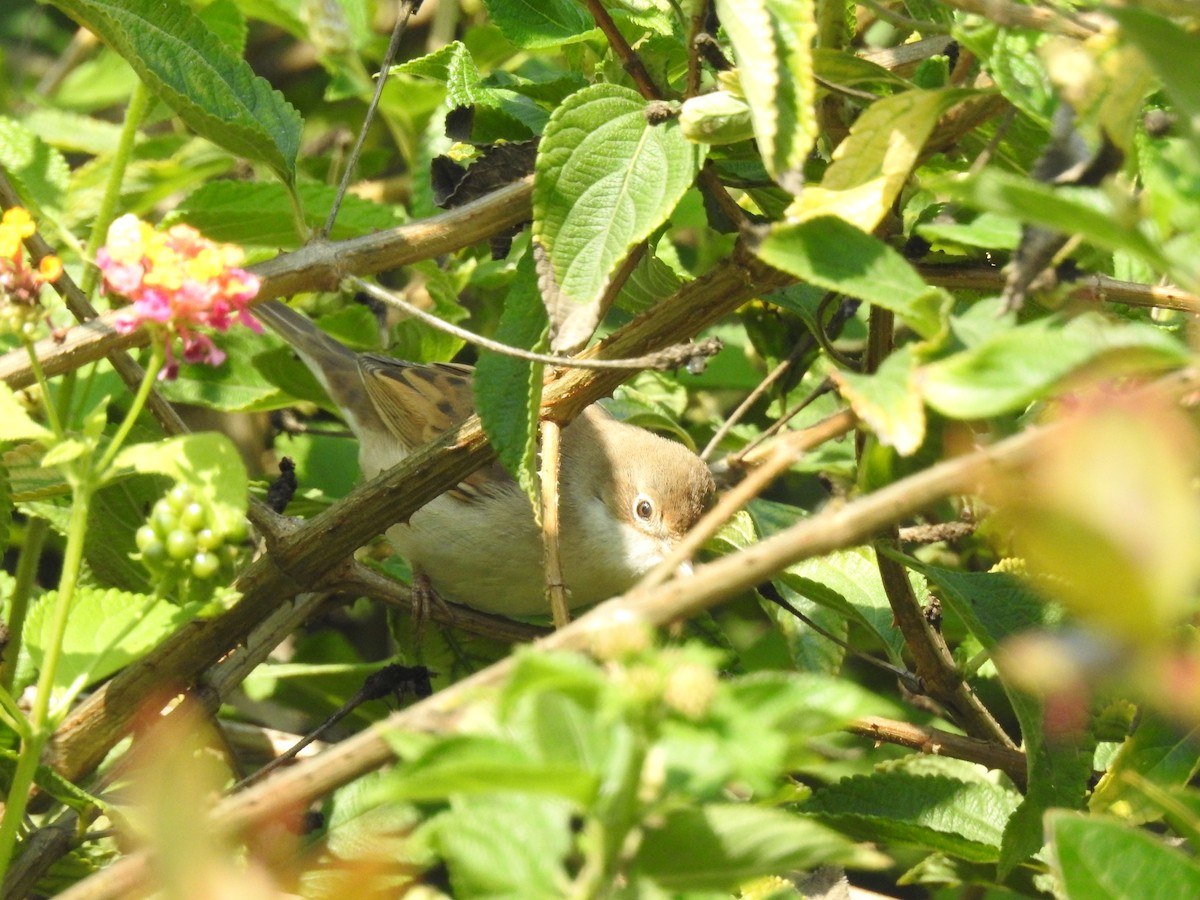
(333, 364)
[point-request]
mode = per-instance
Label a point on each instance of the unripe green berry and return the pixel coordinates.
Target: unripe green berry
(193, 516)
(205, 564)
(181, 544)
(163, 519)
(236, 533)
(145, 537)
(154, 556)
(179, 497)
(207, 539)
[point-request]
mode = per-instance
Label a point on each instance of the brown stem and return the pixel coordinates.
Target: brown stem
(931, 657)
(1098, 288)
(556, 584)
(1039, 18)
(695, 29)
(936, 742)
(631, 62)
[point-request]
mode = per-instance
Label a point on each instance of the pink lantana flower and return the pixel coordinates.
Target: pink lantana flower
(177, 280)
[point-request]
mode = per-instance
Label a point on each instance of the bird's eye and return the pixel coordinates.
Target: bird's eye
(643, 507)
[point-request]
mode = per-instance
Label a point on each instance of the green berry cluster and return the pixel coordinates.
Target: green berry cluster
(182, 537)
(20, 319)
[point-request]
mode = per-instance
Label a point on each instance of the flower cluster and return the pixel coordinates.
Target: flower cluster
(20, 285)
(177, 280)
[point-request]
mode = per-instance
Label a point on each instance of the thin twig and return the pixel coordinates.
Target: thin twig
(909, 680)
(935, 532)
(895, 18)
(630, 60)
(937, 742)
(390, 680)
(845, 90)
(1099, 288)
(695, 29)
(802, 346)
(1040, 18)
(750, 455)
(556, 586)
(404, 11)
(360, 580)
(676, 357)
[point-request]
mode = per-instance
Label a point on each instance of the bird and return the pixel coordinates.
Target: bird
(626, 495)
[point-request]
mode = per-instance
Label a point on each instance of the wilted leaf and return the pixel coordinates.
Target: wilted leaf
(873, 163)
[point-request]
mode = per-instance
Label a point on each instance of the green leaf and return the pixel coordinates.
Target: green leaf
(72, 132)
(38, 171)
(1164, 44)
(206, 460)
(17, 425)
(64, 451)
(605, 180)
(772, 43)
(56, 786)
(1158, 751)
(849, 582)
(873, 163)
(964, 818)
(6, 506)
(237, 385)
(226, 21)
(995, 606)
(1013, 60)
(474, 765)
(260, 213)
(508, 391)
(835, 255)
(1089, 212)
(194, 72)
(481, 865)
(107, 630)
(986, 231)
(721, 846)
(1014, 368)
(453, 66)
(534, 24)
(1103, 859)
(888, 401)
(117, 511)
(652, 280)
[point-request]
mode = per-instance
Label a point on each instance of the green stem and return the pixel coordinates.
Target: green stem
(138, 104)
(51, 411)
(31, 554)
(13, 715)
(40, 726)
(135, 409)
